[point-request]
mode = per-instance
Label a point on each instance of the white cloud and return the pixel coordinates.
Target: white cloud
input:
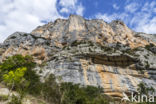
(145, 21)
(132, 7)
(71, 6)
(141, 21)
(146, 24)
(106, 17)
(25, 15)
(80, 10)
(148, 28)
(115, 6)
(67, 3)
(64, 10)
(110, 17)
(154, 10)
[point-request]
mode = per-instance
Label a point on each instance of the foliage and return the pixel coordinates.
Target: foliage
(69, 93)
(146, 103)
(76, 42)
(150, 47)
(50, 90)
(15, 78)
(34, 82)
(18, 73)
(15, 100)
(20, 69)
(143, 89)
(17, 61)
(76, 94)
(3, 97)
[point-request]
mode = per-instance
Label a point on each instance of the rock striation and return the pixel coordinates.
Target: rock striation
(89, 52)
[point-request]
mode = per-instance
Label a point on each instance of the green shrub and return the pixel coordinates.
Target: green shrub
(143, 89)
(3, 97)
(76, 42)
(34, 82)
(69, 93)
(15, 78)
(15, 100)
(12, 67)
(17, 61)
(147, 65)
(50, 90)
(76, 94)
(146, 103)
(149, 46)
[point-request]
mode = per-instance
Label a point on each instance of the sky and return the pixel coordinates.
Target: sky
(26, 15)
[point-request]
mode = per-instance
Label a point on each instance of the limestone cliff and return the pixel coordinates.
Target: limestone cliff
(89, 52)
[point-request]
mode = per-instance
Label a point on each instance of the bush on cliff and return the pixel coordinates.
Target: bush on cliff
(69, 93)
(12, 68)
(17, 61)
(76, 94)
(15, 79)
(50, 90)
(143, 89)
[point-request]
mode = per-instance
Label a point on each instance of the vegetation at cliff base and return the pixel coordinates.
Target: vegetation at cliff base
(143, 89)
(76, 94)
(69, 93)
(18, 75)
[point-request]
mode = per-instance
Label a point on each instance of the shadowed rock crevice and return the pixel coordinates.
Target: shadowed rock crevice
(117, 61)
(121, 61)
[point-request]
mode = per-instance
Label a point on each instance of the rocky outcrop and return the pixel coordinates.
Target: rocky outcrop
(89, 52)
(6, 97)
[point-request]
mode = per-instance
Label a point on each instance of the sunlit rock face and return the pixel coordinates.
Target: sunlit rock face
(89, 52)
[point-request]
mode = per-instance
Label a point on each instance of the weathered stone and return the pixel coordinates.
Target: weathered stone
(89, 52)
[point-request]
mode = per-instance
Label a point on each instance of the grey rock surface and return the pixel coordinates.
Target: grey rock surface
(89, 52)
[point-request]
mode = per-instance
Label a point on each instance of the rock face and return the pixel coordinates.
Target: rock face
(89, 52)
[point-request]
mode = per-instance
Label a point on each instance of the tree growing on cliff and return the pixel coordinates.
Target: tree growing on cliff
(15, 64)
(143, 89)
(15, 78)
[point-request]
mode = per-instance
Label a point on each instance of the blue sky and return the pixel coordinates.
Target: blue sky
(25, 15)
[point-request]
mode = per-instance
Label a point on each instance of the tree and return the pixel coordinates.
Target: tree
(11, 64)
(14, 79)
(17, 61)
(143, 89)
(76, 94)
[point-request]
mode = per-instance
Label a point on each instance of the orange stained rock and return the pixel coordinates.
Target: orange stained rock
(106, 77)
(101, 25)
(84, 64)
(38, 53)
(38, 31)
(146, 74)
(8, 52)
(99, 69)
(133, 80)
